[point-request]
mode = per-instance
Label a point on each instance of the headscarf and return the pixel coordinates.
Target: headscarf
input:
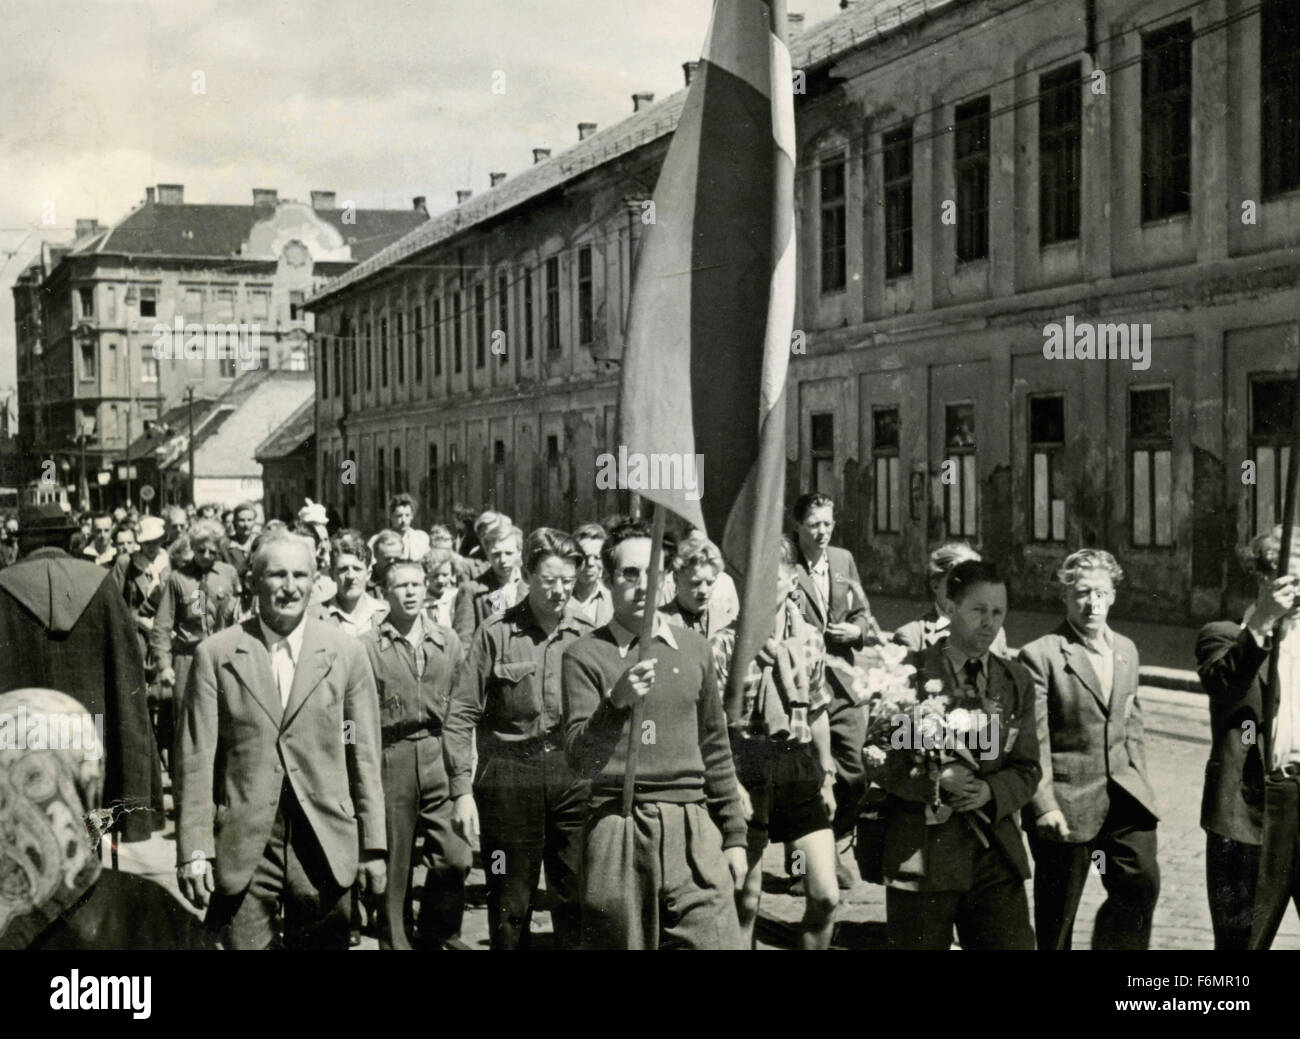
(50, 822)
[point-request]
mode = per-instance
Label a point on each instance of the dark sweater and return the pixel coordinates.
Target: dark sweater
(689, 759)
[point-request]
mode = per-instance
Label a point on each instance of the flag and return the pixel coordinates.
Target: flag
(708, 342)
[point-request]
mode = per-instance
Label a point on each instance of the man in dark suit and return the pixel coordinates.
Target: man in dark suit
(1093, 803)
(968, 868)
(833, 602)
(1233, 665)
(277, 767)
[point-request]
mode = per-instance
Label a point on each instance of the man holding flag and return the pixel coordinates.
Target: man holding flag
(712, 304)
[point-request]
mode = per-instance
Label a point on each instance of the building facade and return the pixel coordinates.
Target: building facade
(116, 328)
(987, 197)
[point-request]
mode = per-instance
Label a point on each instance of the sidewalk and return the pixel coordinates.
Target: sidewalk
(1167, 651)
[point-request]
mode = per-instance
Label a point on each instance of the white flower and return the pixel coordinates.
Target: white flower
(934, 685)
(961, 721)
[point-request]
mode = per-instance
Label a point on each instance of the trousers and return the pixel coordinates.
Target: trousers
(1279, 862)
(656, 880)
(848, 725)
(418, 811)
(1231, 873)
(292, 898)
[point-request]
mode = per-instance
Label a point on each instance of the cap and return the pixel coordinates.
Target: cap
(152, 528)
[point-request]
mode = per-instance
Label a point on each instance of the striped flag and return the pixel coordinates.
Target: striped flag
(704, 369)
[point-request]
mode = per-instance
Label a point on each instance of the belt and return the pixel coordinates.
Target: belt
(398, 735)
(526, 748)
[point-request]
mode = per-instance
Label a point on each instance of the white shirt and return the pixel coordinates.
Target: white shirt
(1101, 655)
(624, 638)
(1286, 734)
(821, 575)
(285, 652)
(415, 543)
(358, 622)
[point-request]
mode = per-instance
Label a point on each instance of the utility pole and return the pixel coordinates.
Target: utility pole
(189, 397)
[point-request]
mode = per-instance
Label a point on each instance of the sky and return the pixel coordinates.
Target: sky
(377, 100)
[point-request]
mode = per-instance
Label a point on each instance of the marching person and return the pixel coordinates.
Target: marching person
(352, 608)
(178, 522)
(278, 793)
(783, 760)
(526, 800)
(687, 856)
(591, 599)
(140, 577)
(966, 870)
(1232, 661)
(99, 549)
(385, 547)
(238, 547)
(1093, 795)
(415, 662)
(440, 581)
(833, 602)
(696, 566)
(496, 590)
(932, 626)
(401, 518)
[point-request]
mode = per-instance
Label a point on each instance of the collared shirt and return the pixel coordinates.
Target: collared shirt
(597, 609)
(957, 661)
(365, 614)
(1101, 655)
(285, 652)
(701, 623)
(443, 610)
(1286, 724)
(821, 577)
(510, 688)
(414, 674)
(625, 639)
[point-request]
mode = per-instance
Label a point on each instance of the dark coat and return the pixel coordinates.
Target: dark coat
(846, 605)
(123, 911)
(1233, 669)
(64, 626)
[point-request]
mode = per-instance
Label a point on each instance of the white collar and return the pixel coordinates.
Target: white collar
(293, 640)
(662, 630)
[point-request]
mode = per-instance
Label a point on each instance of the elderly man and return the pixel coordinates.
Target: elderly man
(277, 768)
(178, 522)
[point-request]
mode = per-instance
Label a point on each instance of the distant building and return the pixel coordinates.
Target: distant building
(115, 328)
(288, 458)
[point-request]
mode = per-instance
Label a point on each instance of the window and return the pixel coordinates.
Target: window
(1047, 467)
(225, 304)
(226, 367)
(480, 326)
(884, 460)
(1150, 444)
(457, 325)
(528, 315)
(353, 352)
(1279, 88)
(834, 231)
(324, 367)
(1272, 404)
(553, 304)
(399, 477)
(148, 369)
(822, 443)
(88, 358)
(399, 341)
(552, 449)
(296, 299)
(1167, 121)
(110, 309)
(194, 304)
(958, 472)
(383, 351)
(86, 298)
(897, 148)
(433, 476)
(370, 376)
(261, 302)
(417, 320)
(586, 302)
(971, 161)
(498, 452)
(381, 485)
(1060, 135)
(148, 302)
(503, 315)
(338, 367)
(437, 335)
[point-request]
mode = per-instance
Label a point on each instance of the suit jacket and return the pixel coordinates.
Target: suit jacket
(844, 606)
(236, 747)
(132, 581)
(1233, 670)
(920, 857)
(1085, 743)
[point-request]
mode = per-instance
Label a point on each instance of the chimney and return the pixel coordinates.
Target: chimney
(642, 100)
(585, 130)
(148, 194)
(463, 196)
(322, 200)
(86, 226)
(541, 155)
(690, 68)
(264, 196)
(418, 204)
(171, 194)
(497, 178)
(794, 24)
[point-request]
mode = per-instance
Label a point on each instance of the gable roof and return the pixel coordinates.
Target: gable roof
(291, 434)
(852, 28)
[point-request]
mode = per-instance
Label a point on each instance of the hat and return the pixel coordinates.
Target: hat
(313, 513)
(152, 528)
(47, 518)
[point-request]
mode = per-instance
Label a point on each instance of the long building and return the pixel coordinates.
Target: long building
(988, 195)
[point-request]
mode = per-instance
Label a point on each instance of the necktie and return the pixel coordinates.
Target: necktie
(973, 668)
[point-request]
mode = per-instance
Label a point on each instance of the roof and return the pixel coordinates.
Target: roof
(291, 434)
(157, 229)
(831, 38)
(175, 423)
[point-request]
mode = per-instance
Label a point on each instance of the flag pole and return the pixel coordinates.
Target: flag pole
(644, 650)
(1283, 569)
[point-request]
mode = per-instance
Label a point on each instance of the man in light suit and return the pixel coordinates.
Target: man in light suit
(277, 767)
(833, 602)
(1094, 803)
